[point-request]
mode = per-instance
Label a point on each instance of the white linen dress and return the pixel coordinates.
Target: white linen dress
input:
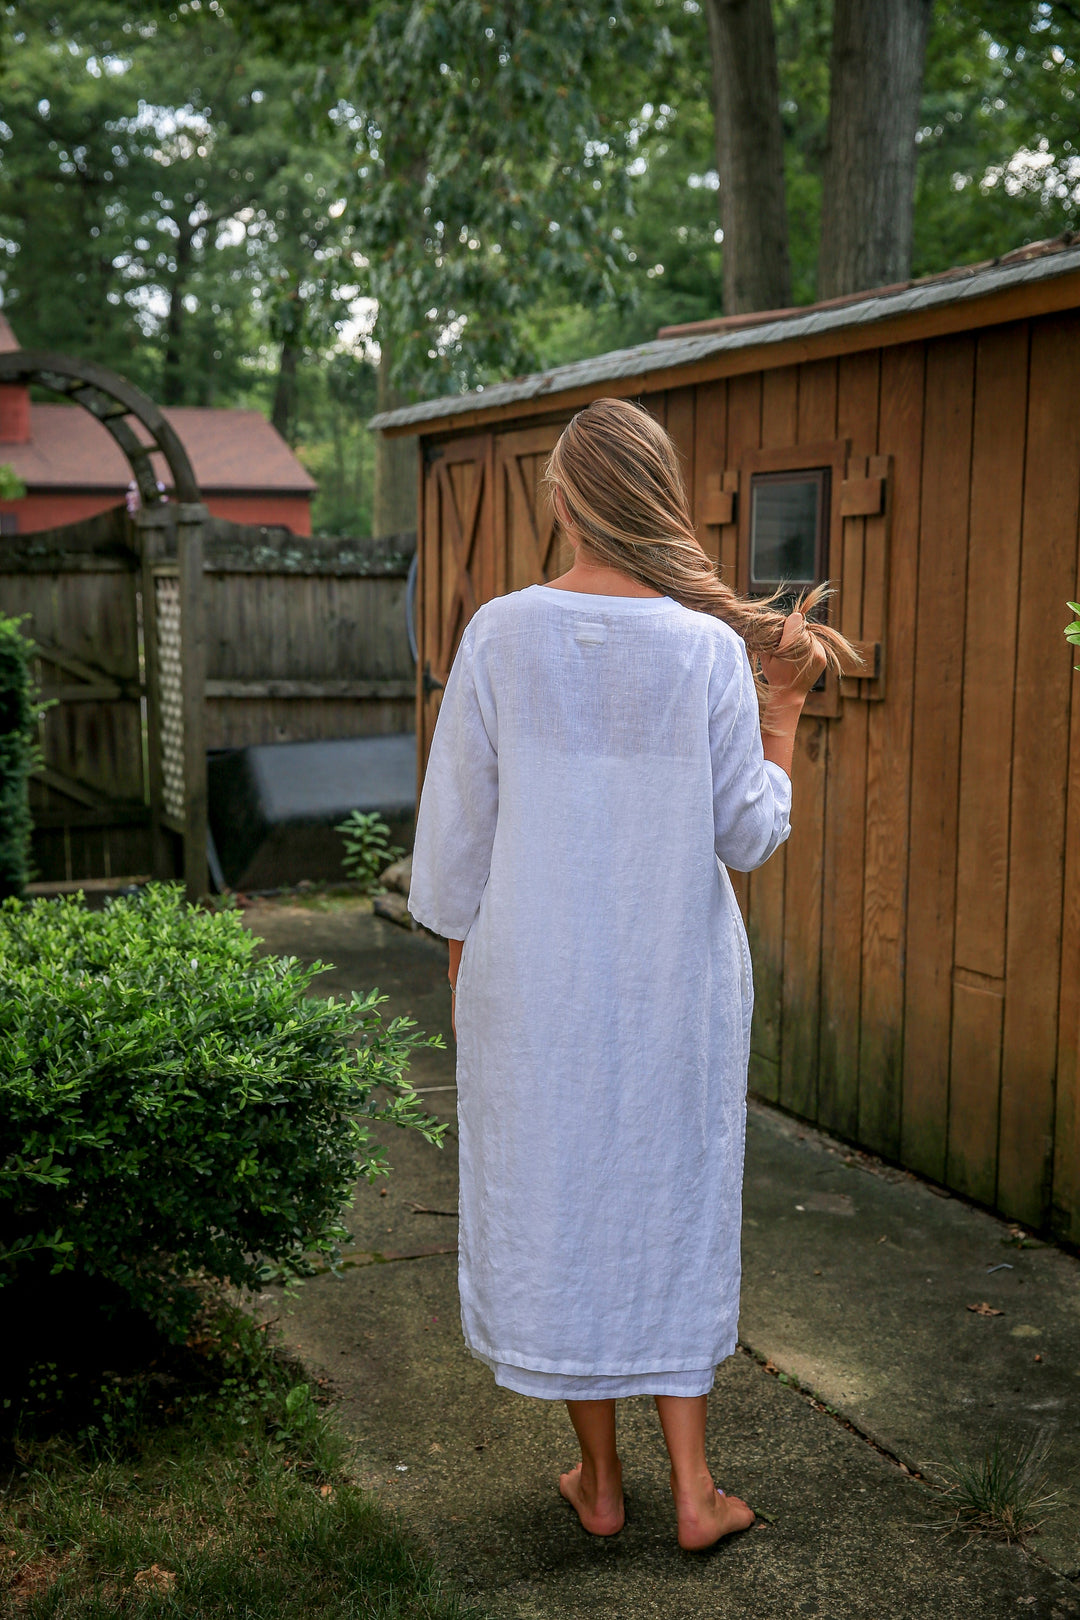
(596, 765)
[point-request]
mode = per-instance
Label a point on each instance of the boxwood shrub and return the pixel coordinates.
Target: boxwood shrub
(173, 1105)
(17, 753)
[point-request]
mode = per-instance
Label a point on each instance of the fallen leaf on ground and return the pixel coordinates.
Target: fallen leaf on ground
(156, 1578)
(327, 1492)
(984, 1309)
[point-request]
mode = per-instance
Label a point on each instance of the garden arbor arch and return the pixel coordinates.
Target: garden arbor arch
(167, 561)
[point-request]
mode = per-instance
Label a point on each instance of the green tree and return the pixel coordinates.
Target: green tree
(999, 147)
(156, 168)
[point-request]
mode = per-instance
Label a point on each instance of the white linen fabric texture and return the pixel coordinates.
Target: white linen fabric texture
(596, 765)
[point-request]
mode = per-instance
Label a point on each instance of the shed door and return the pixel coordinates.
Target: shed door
(487, 528)
(525, 529)
(456, 562)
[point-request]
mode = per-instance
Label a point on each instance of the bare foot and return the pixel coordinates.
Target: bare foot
(706, 1516)
(600, 1511)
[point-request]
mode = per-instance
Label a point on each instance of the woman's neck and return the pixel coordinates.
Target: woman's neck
(598, 579)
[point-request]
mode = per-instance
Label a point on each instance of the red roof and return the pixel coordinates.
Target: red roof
(230, 450)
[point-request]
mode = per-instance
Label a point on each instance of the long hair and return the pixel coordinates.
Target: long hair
(618, 473)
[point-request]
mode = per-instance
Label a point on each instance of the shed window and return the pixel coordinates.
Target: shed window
(788, 529)
(9, 522)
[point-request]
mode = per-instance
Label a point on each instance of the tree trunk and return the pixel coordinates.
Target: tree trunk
(749, 155)
(172, 369)
(878, 57)
(394, 503)
(283, 414)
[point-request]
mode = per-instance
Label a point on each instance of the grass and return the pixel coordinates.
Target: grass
(1004, 1494)
(237, 1503)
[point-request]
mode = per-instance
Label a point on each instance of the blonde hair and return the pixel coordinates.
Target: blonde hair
(619, 476)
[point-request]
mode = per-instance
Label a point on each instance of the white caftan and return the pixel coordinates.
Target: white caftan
(596, 766)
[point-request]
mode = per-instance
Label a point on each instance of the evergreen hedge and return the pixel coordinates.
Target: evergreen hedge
(17, 753)
(172, 1104)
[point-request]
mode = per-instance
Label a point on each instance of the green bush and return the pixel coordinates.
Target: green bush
(17, 754)
(171, 1104)
(368, 850)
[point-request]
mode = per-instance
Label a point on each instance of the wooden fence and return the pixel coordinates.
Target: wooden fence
(303, 638)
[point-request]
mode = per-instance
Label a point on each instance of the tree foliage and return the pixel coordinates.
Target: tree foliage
(155, 170)
(492, 167)
(230, 192)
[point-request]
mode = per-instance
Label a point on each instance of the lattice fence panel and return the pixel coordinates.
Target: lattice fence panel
(167, 604)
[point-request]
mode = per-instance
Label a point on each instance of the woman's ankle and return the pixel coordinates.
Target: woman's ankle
(604, 1477)
(692, 1481)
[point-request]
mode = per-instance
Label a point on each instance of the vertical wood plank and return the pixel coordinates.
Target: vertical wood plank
(710, 456)
(429, 543)
(1041, 720)
(744, 397)
(817, 401)
(875, 583)
(804, 852)
(779, 426)
(997, 482)
(742, 422)
(935, 774)
(797, 899)
(986, 746)
(858, 382)
(1065, 1204)
(975, 1068)
(656, 405)
(680, 425)
(888, 759)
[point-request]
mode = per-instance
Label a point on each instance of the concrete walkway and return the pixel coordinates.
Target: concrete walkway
(856, 1288)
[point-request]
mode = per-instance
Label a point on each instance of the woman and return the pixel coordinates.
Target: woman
(600, 759)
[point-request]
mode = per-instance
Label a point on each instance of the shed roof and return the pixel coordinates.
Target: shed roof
(1035, 279)
(230, 450)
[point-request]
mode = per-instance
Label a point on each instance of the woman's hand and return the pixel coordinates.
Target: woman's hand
(790, 679)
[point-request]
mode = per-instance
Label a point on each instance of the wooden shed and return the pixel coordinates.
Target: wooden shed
(917, 942)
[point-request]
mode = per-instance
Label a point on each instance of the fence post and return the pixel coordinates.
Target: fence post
(191, 518)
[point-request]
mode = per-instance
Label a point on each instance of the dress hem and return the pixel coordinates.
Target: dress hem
(563, 1387)
(577, 1370)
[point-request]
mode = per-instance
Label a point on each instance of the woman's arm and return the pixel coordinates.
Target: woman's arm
(778, 743)
(455, 960)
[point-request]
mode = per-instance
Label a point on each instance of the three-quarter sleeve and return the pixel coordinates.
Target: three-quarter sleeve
(459, 804)
(751, 795)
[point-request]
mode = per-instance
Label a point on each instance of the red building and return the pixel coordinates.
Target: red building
(73, 469)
